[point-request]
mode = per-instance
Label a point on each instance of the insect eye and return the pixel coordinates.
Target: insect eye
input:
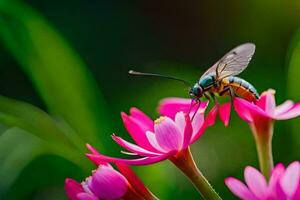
(197, 90)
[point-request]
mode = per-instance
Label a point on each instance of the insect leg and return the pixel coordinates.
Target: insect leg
(232, 93)
(199, 103)
(224, 91)
(214, 98)
(207, 96)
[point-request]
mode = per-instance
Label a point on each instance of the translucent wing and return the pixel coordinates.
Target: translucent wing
(232, 63)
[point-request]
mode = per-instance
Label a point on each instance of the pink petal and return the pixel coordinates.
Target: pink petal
(197, 123)
(188, 131)
(211, 117)
(108, 183)
(152, 140)
(92, 149)
(72, 188)
(133, 179)
(291, 113)
(95, 152)
(239, 189)
(224, 111)
(200, 124)
(139, 115)
(170, 106)
(168, 134)
(276, 174)
(284, 107)
(296, 196)
(248, 111)
(139, 161)
(180, 121)
(256, 182)
(290, 180)
(267, 101)
(137, 129)
(242, 110)
(132, 147)
(86, 196)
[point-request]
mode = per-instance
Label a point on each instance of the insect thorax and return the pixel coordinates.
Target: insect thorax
(207, 81)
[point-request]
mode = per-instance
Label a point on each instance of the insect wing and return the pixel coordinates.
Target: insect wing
(232, 63)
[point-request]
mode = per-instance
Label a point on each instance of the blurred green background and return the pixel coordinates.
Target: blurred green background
(70, 59)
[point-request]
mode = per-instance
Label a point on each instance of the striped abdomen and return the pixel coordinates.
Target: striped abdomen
(241, 88)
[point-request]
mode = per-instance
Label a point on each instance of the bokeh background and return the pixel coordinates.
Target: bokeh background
(70, 59)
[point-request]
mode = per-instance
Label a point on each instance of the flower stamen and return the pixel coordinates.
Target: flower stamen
(159, 120)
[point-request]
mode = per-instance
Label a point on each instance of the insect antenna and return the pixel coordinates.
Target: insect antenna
(132, 72)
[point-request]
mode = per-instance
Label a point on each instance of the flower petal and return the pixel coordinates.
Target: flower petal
(200, 124)
(211, 116)
(248, 111)
(108, 183)
(180, 121)
(133, 179)
(86, 196)
(132, 147)
(168, 134)
(291, 113)
(256, 182)
(170, 106)
(224, 111)
(267, 101)
(284, 107)
(139, 115)
(239, 189)
(72, 188)
(152, 140)
(139, 161)
(92, 149)
(291, 178)
(197, 123)
(137, 129)
(276, 174)
(188, 132)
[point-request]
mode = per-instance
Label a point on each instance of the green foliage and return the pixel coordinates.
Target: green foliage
(57, 72)
(293, 84)
(65, 85)
(17, 149)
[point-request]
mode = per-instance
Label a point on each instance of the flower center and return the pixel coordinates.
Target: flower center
(159, 120)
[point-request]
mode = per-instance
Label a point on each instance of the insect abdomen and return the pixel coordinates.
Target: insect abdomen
(242, 88)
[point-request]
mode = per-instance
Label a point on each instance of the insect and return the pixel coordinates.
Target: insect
(221, 79)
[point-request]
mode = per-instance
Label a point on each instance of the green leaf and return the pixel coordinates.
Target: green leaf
(60, 76)
(17, 149)
(293, 84)
(59, 138)
(15, 113)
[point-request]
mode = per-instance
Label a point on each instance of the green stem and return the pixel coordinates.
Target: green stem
(185, 162)
(263, 139)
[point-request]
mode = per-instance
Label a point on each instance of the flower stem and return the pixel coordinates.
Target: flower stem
(185, 162)
(132, 195)
(263, 138)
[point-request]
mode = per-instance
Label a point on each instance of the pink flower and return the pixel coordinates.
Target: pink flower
(261, 117)
(265, 109)
(159, 140)
(170, 106)
(284, 184)
(108, 184)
